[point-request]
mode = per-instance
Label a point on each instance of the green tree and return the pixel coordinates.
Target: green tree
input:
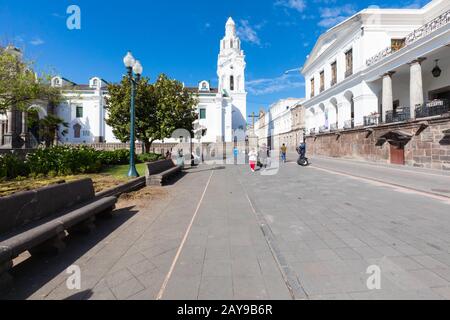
(20, 86)
(160, 109)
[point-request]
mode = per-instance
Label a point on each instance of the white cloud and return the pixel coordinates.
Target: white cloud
(331, 16)
(19, 39)
(298, 5)
(272, 85)
(37, 41)
(416, 4)
(248, 33)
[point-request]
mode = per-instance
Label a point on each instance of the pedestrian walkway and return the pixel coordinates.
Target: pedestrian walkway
(426, 180)
(228, 233)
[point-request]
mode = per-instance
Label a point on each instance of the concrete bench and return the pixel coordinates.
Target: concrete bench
(161, 171)
(37, 220)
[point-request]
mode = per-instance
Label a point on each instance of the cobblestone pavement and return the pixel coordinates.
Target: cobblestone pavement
(227, 233)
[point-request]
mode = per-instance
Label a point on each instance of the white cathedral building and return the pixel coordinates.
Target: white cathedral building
(222, 111)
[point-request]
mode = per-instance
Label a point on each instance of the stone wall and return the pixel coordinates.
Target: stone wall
(429, 146)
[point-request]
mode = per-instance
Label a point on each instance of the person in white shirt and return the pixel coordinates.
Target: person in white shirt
(253, 159)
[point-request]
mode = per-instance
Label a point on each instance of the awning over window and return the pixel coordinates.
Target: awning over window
(394, 137)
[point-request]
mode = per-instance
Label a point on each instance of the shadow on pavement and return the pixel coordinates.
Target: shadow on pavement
(36, 271)
(83, 295)
(175, 179)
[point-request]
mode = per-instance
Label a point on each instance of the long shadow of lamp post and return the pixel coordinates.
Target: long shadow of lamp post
(133, 66)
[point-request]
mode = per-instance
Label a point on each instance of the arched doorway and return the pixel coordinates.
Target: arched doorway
(350, 121)
(35, 113)
(334, 114)
(310, 119)
(321, 118)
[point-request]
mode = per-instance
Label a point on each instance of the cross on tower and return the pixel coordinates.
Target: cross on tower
(253, 116)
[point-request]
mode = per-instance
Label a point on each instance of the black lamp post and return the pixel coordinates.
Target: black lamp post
(133, 66)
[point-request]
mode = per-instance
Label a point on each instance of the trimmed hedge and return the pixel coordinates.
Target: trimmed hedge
(66, 160)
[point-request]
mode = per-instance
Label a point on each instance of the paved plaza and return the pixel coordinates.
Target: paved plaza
(222, 232)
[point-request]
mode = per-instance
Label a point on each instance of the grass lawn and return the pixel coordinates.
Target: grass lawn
(120, 172)
(108, 178)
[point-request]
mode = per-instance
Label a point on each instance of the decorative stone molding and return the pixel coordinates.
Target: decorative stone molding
(417, 34)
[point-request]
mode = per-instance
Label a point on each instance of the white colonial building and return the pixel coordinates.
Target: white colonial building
(84, 111)
(276, 126)
(380, 65)
(221, 110)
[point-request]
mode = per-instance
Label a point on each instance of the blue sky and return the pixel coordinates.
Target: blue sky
(178, 37)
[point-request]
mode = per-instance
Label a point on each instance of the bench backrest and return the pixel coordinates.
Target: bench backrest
(24, 207)
(159, 166)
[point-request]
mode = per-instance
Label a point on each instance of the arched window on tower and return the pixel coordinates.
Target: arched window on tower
(232, 83)
(231, 44)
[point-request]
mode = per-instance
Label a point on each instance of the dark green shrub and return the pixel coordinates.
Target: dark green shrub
(12, 166)
(64, 160)
(115, 157)
(149, 157)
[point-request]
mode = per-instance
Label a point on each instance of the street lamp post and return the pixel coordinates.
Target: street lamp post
(133, 66)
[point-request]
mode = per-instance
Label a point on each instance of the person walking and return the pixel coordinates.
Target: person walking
(283, 153)
(263, 155)
(253, 159)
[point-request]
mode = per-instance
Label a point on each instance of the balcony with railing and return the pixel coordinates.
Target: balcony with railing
(417, 34)
(323, 129)
(398, 115)
(312, 131)
(349, 124)
(372, 120)
(433, 108)
(334, 127)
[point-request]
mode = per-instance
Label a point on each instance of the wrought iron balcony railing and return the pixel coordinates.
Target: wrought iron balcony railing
(433, 108)
(372, 120)
(334, 126)
(323, 129)
(398, 115)
(349, 124)
(417, 34)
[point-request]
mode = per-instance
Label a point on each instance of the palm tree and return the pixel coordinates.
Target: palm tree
(49, 127)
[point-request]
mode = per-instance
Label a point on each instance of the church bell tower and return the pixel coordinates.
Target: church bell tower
(231, 72)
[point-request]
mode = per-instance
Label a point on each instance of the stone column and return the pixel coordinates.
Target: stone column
(415, 86)
(10, 136)
(2, 124)
(10, 128)
(24, 122)
(24, 134)
(387, 99)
